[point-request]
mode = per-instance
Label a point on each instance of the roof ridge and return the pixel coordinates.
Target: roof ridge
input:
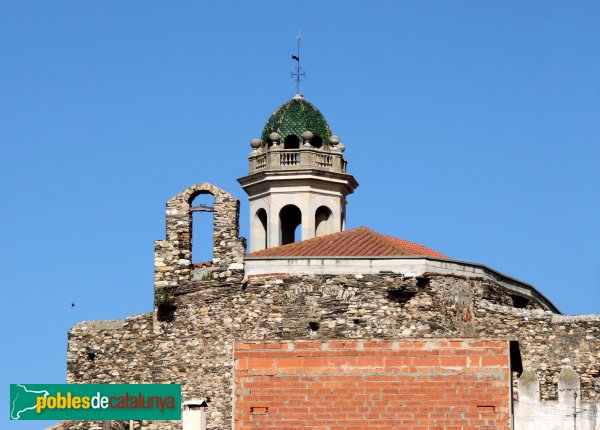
(358, 241)
(387, 236)
(381, 238)
(309, 241)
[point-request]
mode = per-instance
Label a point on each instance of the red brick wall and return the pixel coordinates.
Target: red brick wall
(358, 384)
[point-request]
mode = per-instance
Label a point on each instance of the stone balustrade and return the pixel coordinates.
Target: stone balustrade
(276, 158)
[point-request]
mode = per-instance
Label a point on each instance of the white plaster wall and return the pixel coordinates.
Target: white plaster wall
(568, 413)
(556, 416)
(307, 199)
(306, 189)
(256, 242)
(193, 419)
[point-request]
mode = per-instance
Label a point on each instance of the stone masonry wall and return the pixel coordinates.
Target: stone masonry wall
(195, 348)
(548, 341)
(115, 351)
(109, 351)
(189, 337)
(173, 256)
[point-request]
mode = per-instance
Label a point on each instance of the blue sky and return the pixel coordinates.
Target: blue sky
(472, 127)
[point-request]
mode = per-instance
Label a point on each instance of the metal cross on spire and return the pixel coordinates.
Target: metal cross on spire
(299, 73)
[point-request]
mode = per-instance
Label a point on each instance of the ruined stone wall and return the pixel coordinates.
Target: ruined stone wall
(173, 256)
(111, 351)
(200, 313)
(114, 351)
(549, 343)
(195, 347)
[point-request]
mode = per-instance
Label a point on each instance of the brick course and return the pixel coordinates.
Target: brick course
(334, 385)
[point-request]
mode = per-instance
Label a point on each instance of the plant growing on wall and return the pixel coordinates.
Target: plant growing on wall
(165, 304)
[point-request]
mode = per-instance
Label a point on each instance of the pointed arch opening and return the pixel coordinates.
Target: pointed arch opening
(261, 232)
(290, 219)
(323, 221)
(291, 142)
(202, 231)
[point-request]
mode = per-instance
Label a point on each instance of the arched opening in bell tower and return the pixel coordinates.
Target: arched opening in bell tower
(202, 231)
(323, 221)
(316, 141)
(261, 229)
(290, 219)
(291, 142)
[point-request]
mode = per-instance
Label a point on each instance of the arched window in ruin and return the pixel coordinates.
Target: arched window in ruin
(202, 230)
(261, 229)
(290, 218)
(291, 142)
(323, 221)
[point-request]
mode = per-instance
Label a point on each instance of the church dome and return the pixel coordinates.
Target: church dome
(294, 118)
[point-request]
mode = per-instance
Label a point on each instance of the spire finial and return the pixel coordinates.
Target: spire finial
(299, 73)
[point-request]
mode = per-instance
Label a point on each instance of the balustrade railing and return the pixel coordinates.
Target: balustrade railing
(324, 160)
(289, 158)
(260, 162)
(276, 159)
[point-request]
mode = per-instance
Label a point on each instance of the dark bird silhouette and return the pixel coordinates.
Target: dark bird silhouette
(72, 305)
(295, 57)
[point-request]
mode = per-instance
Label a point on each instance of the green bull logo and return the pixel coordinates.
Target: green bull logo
(95, 402)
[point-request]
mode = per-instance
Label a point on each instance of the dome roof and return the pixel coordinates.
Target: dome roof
(294, 118)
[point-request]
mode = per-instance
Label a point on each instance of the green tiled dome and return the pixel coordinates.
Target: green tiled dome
(294, 118)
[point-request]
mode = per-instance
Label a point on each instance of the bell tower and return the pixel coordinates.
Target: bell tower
(297, 182)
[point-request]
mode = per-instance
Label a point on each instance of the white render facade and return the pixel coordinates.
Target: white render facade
(321, 203)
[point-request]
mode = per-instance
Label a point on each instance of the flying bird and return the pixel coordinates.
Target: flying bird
(295, 57)
(72, 305)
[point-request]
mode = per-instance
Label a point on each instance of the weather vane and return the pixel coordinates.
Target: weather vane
(299, 73)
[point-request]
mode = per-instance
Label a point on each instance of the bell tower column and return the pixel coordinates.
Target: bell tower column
(274, 230)
(308, 224)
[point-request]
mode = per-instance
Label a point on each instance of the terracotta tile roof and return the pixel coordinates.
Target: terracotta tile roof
(359, 242)
(203, 264)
